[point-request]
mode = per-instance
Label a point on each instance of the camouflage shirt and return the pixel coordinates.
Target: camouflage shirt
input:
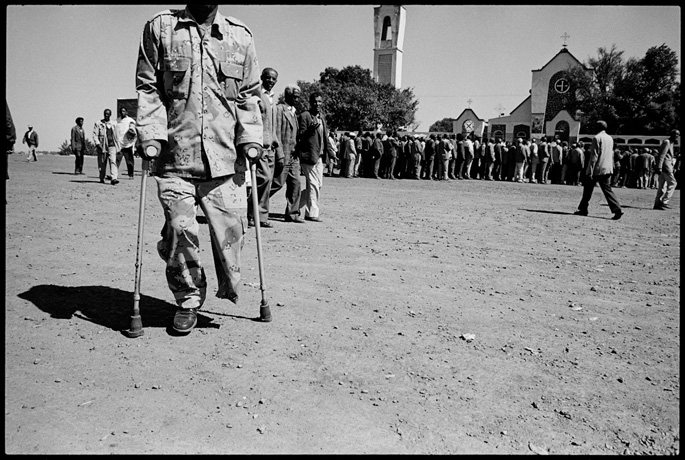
(198, 94)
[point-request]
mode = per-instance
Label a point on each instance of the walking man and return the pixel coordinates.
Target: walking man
(198, 90)
(599, 170)
(313, 142)
(286, 130)
(664, 168)
(31, 141)
(78, 145)
(267, 162)
(107, 145)
(126, 133)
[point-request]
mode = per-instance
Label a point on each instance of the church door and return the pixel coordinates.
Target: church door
(562, 130)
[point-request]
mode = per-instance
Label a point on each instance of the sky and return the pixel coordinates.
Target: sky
(66, 61)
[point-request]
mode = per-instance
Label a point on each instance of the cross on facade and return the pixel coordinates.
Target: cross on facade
(500, 109)
(469, 101)
(566, 36)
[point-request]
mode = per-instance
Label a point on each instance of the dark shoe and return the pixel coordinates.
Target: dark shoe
(660, 207)
(617, 215)
(115, 182)
(580, 213)
(266, 224)
(108, 177)
(102, 181)
(250, 222)
(296, 219)
(185, 320)
(313, 219)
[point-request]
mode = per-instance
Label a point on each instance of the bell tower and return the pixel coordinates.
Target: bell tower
(388, 26)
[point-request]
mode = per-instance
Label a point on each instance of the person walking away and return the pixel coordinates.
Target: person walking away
(199, 116)
(78, 145)
(31, 141)
(665, 168)
(126, 132)
(599, 171)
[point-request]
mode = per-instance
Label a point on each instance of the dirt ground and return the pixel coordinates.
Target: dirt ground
(576, 323)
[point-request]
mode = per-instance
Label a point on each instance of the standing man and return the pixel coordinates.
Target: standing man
(107, 145)
(78, 145)
(350, 155)
(534, 161)
(126, 134)
(576, 159)
(286, 130)
(543, 155)
(312, 138)
(198, 109)
(664, 168)
(268, 160)
(31, 141)
(598, 171)
(376, 155)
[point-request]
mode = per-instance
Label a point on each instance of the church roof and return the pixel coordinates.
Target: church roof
(564, 50)
(522, 102)
(469, 110)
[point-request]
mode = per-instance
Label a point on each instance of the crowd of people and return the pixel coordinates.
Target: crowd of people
(445, 157)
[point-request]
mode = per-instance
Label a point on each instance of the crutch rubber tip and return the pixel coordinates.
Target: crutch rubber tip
(265, 314)
(136, 327)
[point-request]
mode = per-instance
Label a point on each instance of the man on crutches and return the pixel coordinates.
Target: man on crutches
(198, 84)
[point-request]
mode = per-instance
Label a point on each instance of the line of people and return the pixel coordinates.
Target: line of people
(463, 157)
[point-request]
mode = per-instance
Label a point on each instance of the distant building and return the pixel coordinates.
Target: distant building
(468, 122)
(388, 26)
(544, 112)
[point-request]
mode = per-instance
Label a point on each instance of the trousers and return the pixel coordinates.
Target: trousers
(311, 194)
(665, 186)
(265, 174)
(290, 177)
(604, 182)
(224, 203)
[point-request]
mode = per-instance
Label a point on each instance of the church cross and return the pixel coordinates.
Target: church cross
(469, 101)
(500, 109)
(566, 36)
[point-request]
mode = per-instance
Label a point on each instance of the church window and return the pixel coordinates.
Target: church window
(562, 85)
(387, 29)
(468, 126)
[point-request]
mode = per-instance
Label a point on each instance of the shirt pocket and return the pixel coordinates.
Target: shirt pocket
(176, 77)
(231, 79)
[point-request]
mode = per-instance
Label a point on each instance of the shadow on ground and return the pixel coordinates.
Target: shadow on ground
(105, 306)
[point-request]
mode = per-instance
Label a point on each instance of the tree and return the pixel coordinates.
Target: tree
(65, 148)
(638, 96)
(441, 126)
(353, 101)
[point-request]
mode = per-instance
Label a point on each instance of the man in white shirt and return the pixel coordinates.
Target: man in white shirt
(271, 160)
(126, 132)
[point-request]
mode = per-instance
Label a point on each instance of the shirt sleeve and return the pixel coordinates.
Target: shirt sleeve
(248, 126)
(152, 115)
(663, 150)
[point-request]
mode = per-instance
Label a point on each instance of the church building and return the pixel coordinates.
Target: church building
(544, 112)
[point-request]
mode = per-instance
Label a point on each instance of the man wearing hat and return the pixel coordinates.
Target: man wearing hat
(664, 168)
(599, 170)
(31, 140)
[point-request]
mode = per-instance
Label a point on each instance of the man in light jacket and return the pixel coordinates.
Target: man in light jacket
(599, 171)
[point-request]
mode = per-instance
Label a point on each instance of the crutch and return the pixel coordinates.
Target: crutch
(264, 310)
(136, 323)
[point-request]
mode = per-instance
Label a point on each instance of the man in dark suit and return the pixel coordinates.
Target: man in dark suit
(312, 139)
(31, 140)
(267, 162)
(78, 144)
(286, 130)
